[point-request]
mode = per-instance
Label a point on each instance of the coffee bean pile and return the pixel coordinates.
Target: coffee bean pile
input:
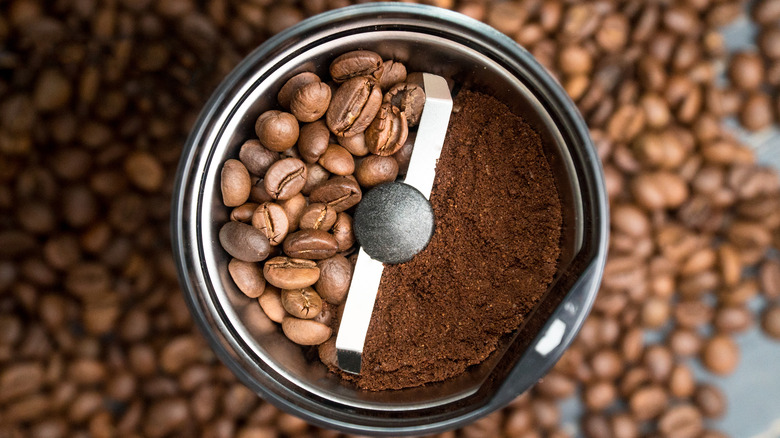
(300, 201)
(96, 99)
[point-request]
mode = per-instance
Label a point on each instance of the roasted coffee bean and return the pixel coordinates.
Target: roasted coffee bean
(327, 314)
(290, 273)
(342, 232)
(756, 112)
(235, 183)
(769, 42)
(305, 331)
(732, 319)
(340, 193)
(720, 355)
(244, 242)
(682, 382)
(353, 64)
(310, 244)
(390, 73)
(337, 160)
(353, 106)
(770, 321)
(256, 158)
(356, 144)
(327, 353)
(376, 169)
(387, 132)
(766, 11)
(313, 141)
(682, 421)
(315, 175)
(404, 155)
(648, 402)
(710, 400)
(310, 101)
(257, 193)
(409, 99)
(335, 279)
(318, 217)
(292, 85)
(272, 221)
(244, 212)
(302, 303)
(271, 303)
(685, 342)
(599, 395)
(248, 277)
(746, 71)
(277, 130)
(285, 178)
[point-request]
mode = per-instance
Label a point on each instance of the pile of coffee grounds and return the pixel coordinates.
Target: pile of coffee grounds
(494, 253)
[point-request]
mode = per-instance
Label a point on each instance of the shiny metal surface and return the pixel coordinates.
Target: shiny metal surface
(426, 39)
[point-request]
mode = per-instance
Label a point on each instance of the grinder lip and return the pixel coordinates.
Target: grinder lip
(188, 205)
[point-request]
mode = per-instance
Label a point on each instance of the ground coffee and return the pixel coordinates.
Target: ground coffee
(493, 254)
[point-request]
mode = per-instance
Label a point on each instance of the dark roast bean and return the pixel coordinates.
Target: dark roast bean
(290, 273)
(257, 158)
(272, 220)
(310, 101)
(318, 216)
(342, 232)
(409, 98)
(244, 242)
(277, 130)
(301, 303)
(305, 331)
(375, 170)
(235, 183)
(335, 278)
(387, 133)
(354, 106)
(292, 85)
(248, 277)
(354, 64)
(285, 178)
(310, 244)
(337, 160)
(313, 141)
(340, 193)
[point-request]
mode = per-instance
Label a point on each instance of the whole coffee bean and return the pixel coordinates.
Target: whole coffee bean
(305, 331)
(685, 342)
(720, 355)
(310, 101)
(318, 217)
(340, 193)
(290, 273)
(746, 71)
(313, 141)
(648, 402)
(409, 98)
(271, 220)
(301, 303)
(692, 313)
(248, 277)
(595, 425)
(244, 242)
(327, 353)
(606, 364)
(770, 321)
(710, 400)
(315, 175)
(681, 421)
(310, 244)
(342, 231)
(766, 11)
(337, 160)
(292, 85)
(327, 314)
(335, 279)
(235, 183)
(599, 395)
(244, 212)
(285, 178)
(387, 133)
(769, 42)
(390, 73)
(356, 144)
(353, 106)
(293, 207)
(257, 193)
(404, 155)
(271, 303)
(733, 319)
(353, 64)
(659, 362)
(375, 170)
(277, 130)
(756, 112)
(682, 382)
(256, 158)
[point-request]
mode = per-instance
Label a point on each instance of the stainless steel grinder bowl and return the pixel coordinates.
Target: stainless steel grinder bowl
(425, 39)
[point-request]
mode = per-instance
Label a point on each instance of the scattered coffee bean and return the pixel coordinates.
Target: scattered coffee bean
(720, 355)
(710, 400)
(770, 321)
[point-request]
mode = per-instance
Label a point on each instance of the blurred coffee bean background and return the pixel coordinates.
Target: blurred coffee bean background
(97, 98)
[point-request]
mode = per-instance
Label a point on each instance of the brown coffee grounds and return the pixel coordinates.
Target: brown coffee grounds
(493, 254)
